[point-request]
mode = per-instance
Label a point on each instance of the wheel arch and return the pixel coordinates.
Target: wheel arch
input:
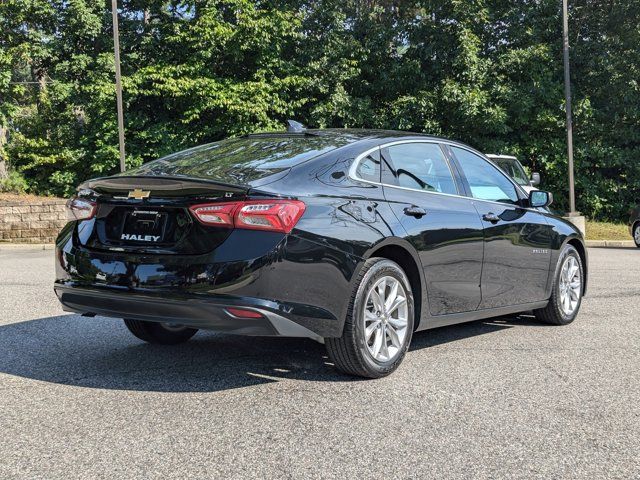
(403, 253)
(578, 244)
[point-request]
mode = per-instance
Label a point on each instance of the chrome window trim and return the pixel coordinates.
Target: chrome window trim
(447, 162)
(353, 176)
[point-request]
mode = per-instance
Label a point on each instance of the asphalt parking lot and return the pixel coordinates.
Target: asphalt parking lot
(508, 398)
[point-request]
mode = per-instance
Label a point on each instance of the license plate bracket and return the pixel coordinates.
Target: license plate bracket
(144, 226)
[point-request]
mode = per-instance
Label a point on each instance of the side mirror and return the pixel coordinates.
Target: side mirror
(535, 179)
(540, 198)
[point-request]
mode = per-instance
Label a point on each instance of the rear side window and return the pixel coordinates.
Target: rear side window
(242, 160)
(368, 168)
(419, 166)
(485, 180)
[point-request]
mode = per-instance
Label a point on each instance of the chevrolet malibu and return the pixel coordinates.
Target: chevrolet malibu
(354, 238)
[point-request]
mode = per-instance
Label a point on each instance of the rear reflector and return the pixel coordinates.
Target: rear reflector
(80, 209)
(271, 215)
(243, 313)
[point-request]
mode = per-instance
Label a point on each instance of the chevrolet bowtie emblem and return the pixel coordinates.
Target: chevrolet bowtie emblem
(139, 194)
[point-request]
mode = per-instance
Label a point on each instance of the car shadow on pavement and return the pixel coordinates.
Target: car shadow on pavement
(101, 353)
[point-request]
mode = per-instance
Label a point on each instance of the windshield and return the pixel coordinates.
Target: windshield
(242, 160)
(514, 169)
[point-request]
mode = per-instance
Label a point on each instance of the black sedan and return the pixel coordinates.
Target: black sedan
(355, 238)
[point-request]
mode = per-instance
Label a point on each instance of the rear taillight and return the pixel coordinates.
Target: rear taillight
(271, 215)
(220, 215)
(80, 209)
(278, 216)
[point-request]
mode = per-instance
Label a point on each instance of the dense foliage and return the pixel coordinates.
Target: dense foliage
(488, 72)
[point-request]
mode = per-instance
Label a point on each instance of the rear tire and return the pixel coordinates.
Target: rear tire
(566, 298)
(159, 333)
(379, 324)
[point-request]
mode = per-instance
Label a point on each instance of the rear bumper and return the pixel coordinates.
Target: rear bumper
(200, 312)
(298, 286)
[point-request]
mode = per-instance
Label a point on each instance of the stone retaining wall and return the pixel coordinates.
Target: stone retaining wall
(35, 221)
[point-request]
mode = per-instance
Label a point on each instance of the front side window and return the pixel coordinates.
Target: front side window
(419, 166)
(485, 180)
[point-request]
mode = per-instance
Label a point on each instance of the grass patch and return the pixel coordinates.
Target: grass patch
(607, 231)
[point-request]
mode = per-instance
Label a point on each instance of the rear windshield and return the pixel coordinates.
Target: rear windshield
(242, 161)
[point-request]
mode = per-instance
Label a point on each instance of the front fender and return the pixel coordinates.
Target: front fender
(566, 233)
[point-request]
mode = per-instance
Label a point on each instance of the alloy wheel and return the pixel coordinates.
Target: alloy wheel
(570, 285)
(636, 234)
(386, 319)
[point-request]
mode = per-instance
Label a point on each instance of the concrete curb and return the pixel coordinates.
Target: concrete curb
(611, 243)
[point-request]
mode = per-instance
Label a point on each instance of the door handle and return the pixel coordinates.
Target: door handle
(491, 217)
(415, 211)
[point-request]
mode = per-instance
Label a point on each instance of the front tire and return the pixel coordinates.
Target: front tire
(379, 323)
(636, 234)
(159, 333)
(566, 292)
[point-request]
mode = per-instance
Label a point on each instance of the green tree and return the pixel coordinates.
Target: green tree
(488, 72)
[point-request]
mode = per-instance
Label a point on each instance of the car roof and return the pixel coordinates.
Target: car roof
(353, 135)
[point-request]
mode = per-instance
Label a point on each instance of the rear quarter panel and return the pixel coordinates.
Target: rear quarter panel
(345, 220)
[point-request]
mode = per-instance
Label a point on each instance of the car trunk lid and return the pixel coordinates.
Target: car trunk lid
(151, 214)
